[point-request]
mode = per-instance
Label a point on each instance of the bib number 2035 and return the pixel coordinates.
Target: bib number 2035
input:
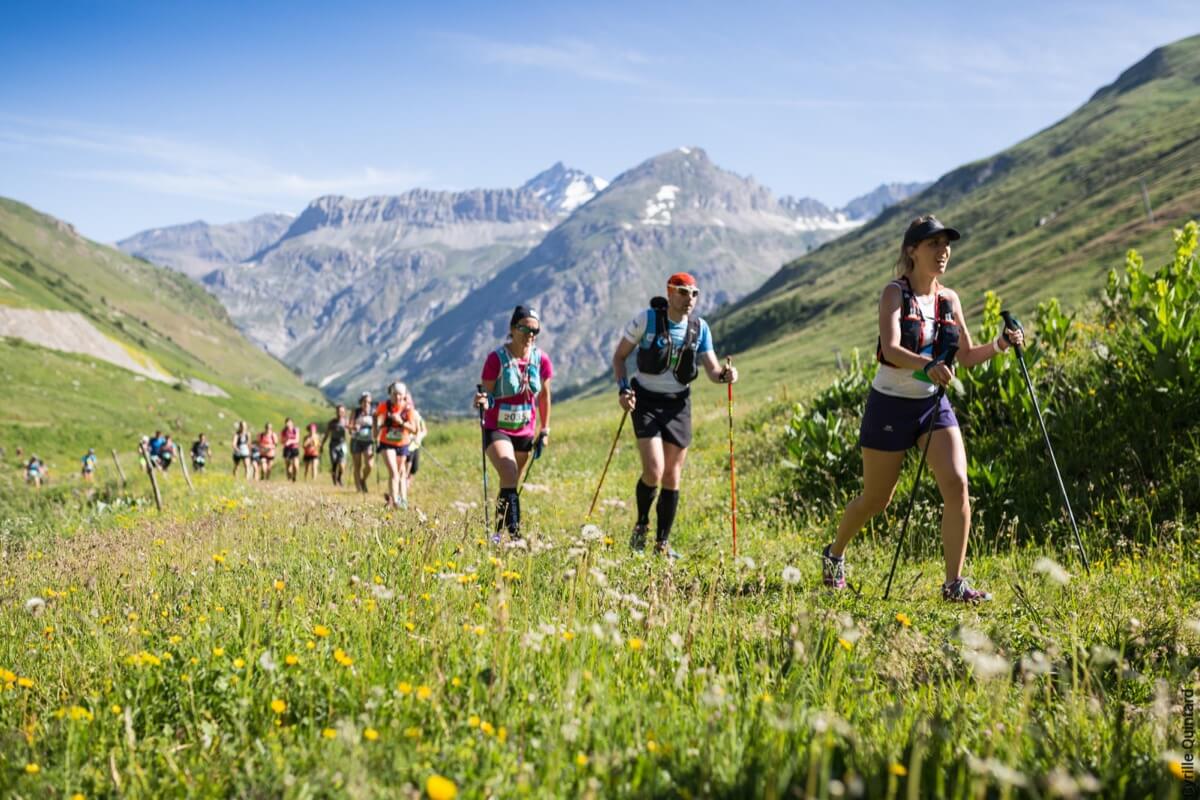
(514, 417)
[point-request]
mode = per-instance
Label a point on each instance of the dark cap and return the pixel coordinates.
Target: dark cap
(523, 312)
(932, 226)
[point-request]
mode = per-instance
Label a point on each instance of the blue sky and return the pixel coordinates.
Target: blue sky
(120, 116)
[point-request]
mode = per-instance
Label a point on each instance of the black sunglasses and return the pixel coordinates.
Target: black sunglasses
(529, 330)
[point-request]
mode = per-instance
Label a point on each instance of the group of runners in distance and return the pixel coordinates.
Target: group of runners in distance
(394, 429)
(671, 346)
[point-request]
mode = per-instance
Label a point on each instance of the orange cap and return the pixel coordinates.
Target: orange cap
(681, 279)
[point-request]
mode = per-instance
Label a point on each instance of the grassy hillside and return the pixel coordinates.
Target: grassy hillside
(1048, 217)
(57, 403)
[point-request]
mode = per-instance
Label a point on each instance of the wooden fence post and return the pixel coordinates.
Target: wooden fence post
(120, 471)
(150, 471)
(183, 465)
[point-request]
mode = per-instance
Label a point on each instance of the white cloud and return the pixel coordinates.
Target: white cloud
(178, 167)
(568, 56)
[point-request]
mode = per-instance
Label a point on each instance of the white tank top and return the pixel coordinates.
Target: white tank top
(899, 382)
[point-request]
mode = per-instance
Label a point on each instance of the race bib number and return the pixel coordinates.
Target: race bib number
(514, 417)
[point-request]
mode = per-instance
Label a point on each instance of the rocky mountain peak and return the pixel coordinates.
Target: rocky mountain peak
(563, 189)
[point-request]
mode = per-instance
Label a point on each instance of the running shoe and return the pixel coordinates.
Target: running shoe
(961, 591)
(637, 542)
(833, 569)
(663, 549)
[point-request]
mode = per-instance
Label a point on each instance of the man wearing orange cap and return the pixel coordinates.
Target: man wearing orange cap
(672, 346)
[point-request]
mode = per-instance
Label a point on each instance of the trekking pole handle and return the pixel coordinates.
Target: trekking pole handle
(1011, 324)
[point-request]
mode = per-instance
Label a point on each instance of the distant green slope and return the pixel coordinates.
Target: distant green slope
(1044, 218)
(56, 403)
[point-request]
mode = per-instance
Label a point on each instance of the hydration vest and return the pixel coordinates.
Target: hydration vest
(656, 359)
(512, 380)
(912, 324)
(404, 435)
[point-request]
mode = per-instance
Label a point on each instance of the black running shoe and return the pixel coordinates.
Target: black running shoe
(637, 542)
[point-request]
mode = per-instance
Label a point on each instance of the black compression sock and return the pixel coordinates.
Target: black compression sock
(645, 499)
(502, 504)
(668, 502)
(514, 514)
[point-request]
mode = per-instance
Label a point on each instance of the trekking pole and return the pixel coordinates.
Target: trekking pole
(483, 457)
(947, 358)
(537, 453)
(732, 466)
(1011, 324)
(607, 461)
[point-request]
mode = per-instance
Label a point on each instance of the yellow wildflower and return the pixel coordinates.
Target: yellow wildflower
(412, 732)
(278, 706)
(370, 734)
(310, 645)
(487, 728)
(176, 639)
(1176, 769)
(897, 769)
(321, 631)
(218, 651)
(278, 585)
(339, 655)
(439, 788)
(652, 745)
(502, 734)
(32, 768)
(581, 760)
(329, 733)
(291, 659)
(473, 720)
(636, 644)
(405, 687)
(218, 558)
(239, 663)
(116, 709)
(903, 619)
(846, 644)
(424, 693)
(25, 683)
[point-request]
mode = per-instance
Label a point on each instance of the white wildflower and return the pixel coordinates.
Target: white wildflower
(35, 605)
(591, 533)
(267, 661)
(676, 641)
(791, 575)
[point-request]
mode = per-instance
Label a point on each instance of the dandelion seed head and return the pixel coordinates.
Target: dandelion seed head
(1052, 570)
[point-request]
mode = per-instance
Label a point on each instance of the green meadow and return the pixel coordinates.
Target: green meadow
(270, 639)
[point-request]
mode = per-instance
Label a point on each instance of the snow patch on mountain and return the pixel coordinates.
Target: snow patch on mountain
(658, 208)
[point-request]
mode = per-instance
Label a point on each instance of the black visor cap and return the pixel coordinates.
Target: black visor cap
(928, 228)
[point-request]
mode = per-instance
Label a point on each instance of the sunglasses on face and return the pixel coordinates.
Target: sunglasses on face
(687, 290)
(528, 330)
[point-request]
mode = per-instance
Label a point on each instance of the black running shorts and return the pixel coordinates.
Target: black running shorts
(521, 444)
(664, 416)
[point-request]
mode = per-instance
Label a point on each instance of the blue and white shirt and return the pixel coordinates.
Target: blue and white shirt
(641, 331)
